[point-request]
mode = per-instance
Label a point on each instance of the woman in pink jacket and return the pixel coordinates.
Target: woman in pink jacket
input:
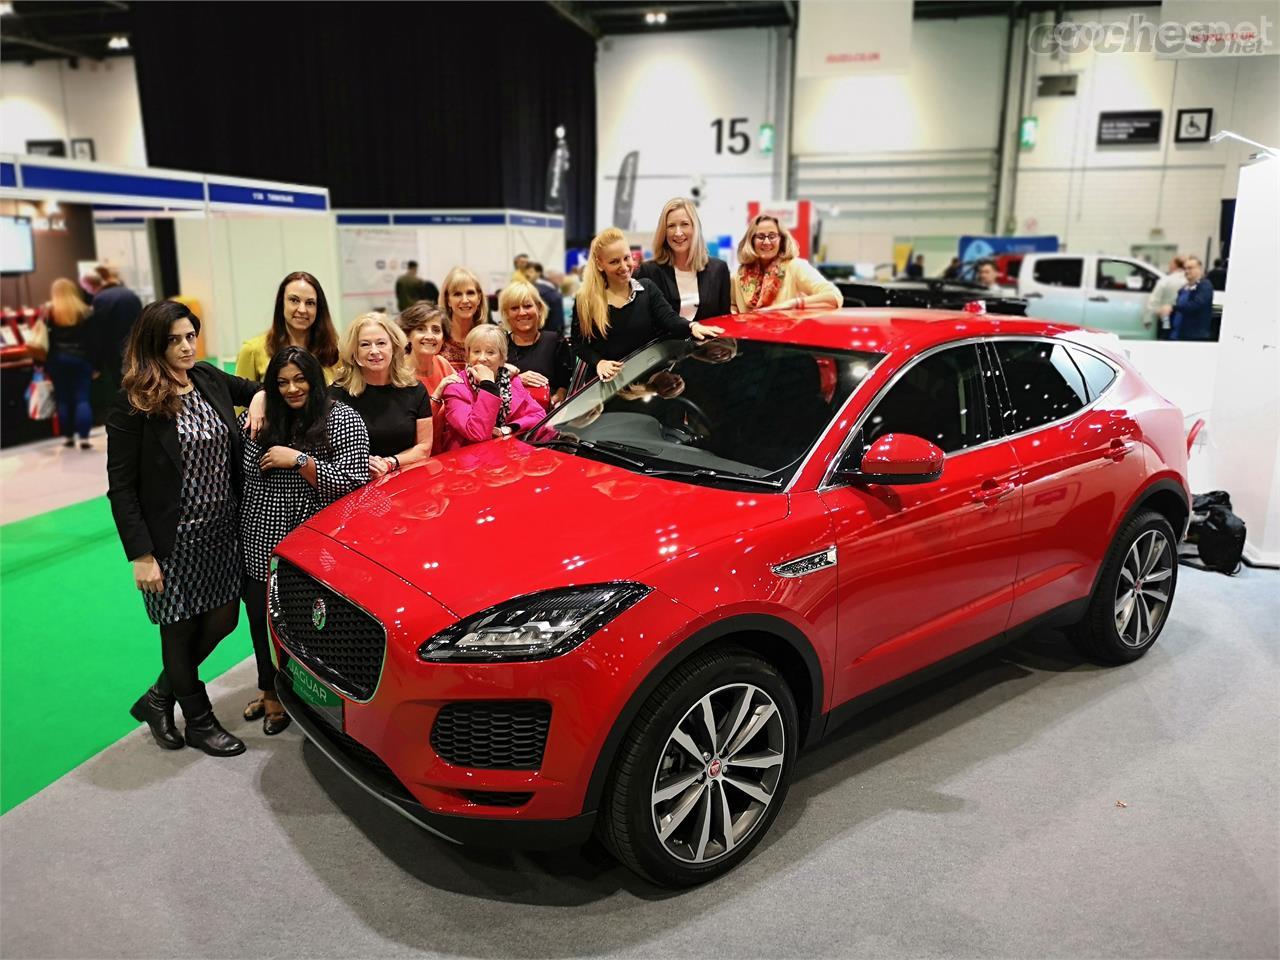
(490, 401)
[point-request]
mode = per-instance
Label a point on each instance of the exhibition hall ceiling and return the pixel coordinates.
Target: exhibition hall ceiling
(71, 30)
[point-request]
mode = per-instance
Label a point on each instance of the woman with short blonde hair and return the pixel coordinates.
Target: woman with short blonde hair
(773, 276)
(379, 383)
(465, 305)
(542, 356)
(489, 401)
(695, 283)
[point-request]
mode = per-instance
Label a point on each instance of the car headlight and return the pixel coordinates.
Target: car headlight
(534, 627)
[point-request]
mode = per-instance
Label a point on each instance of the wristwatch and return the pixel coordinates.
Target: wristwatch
(507, 431)
(301, 461)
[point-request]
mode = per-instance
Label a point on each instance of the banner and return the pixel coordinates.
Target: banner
(838, 39)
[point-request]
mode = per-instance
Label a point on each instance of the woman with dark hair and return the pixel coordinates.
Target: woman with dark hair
(695, 283)
(423, 325)
(301, 319)
(173, 465)
(310, 452)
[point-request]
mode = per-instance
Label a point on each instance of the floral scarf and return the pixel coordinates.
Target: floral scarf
(760, 286)
(503, 380)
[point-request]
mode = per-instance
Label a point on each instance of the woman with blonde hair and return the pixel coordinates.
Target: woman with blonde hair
(465, 305)
(772, 275)
(695, 283)
(378, 382)
(542, 356)
(489, 401)
(72, 361)
(616, 314)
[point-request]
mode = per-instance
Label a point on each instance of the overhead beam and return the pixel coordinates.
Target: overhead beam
(580, 20)
(10, 38)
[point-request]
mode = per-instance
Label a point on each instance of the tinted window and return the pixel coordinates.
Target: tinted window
(1059, 271)
(940, 398)
(1097, 375)
(1043, 381)
(1118, 275)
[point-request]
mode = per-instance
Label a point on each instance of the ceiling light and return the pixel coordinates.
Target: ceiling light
(655, 17)
(118, 43)
(662, 17)
(6, 9)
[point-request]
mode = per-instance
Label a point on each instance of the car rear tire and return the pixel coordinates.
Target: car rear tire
(1135, 590)
(703, 770)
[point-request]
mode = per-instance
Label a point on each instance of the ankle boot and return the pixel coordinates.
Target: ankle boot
(155, 709)
(203, 729)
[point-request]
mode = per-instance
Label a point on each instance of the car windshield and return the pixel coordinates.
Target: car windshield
(730, 413)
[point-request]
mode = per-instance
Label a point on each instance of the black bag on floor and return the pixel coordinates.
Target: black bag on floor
(1218, 534)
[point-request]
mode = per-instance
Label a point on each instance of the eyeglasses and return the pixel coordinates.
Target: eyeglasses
(767, 237)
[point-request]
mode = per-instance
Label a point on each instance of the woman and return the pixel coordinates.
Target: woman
(465, 306)
(310, 451)
(301, 319)
(772, 276)
(615, 314)
(173, 463)
(378, 383)
(542, 357)
(423, 326)
(70, 362)
(490, 401)
(695, 283)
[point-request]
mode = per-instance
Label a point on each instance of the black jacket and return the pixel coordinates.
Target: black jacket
(646, 318)
(144, 462)
(115, 310)
(713, 286)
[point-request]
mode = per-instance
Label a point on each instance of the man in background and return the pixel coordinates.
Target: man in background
(550, 295)
(115, 310)
(1217, 277)
(915, 268)
(520, 264)
(1164, 296)
(410, 288)
(986, 276)
(1192, 317)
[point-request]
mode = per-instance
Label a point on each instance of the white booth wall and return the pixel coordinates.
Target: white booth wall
(123, 245)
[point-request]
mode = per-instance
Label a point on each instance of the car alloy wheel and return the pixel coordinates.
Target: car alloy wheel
(718, 773)
(1143, 589)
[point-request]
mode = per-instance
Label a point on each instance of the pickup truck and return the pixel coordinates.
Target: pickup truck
(1090, 290)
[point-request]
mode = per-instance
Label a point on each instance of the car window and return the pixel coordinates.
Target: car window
(1059, 271)
(1043, 382)
(940, 398)
(1097, 374)
(1118, 275)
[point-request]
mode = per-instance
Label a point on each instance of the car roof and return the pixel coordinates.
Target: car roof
(878, 329)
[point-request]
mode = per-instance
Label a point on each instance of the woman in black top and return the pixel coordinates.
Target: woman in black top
(615, 314)
(378, 382)
(695, 283)
(71, 362)
(311, 451)
(173, 465)
(543, 357)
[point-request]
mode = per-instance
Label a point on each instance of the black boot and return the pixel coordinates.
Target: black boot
(155, 709)
(203, 729)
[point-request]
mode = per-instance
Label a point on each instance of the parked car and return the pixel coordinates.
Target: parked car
(633, 617)
(931, 294)
(1091, 290)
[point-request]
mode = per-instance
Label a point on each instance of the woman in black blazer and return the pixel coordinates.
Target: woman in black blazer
(173, 470)
(695, 283)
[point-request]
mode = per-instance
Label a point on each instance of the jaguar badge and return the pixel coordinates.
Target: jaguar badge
(318, 613)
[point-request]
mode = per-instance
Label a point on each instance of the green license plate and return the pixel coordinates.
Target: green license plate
(315, 694)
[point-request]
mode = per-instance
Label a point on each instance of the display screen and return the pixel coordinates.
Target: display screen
(17, 245)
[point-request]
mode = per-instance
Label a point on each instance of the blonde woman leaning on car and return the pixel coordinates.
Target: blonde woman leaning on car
(773, 277)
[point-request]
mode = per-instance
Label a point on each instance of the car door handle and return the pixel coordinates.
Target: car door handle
(991, 492)
(1099, 299)
(1032, 296)
(1120, 449)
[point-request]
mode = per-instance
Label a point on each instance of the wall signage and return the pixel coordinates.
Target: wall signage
(1129, 127)
(1194, 126)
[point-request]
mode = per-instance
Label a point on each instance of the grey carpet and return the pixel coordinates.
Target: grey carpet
(975, 816)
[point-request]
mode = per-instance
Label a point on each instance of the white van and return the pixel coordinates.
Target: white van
(1090, 290)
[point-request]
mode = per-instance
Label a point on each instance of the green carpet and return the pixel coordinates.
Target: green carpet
(76, 648)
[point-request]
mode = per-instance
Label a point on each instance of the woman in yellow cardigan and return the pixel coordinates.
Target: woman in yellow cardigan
(301, 319)
(771, 276)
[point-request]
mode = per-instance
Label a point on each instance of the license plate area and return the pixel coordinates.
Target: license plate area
(326, 704)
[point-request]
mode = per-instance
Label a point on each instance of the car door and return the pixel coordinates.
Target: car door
(1080, 459)
(1117, 301)
(925, 570)
(1053, 287)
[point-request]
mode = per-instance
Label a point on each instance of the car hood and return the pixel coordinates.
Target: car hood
(478, 526)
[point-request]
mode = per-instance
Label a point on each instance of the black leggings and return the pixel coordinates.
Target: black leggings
(185, 645)
(255, 608)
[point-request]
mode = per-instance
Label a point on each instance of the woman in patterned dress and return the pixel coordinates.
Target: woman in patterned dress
(310, 452)
(173, 465)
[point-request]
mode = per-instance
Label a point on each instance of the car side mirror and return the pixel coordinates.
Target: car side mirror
(1134, 282)
(899, 458)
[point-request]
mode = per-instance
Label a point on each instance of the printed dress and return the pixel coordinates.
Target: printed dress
(203, 571)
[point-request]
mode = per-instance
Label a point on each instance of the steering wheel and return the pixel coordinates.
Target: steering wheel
(694, 418)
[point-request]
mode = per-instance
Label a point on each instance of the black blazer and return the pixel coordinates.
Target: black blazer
(144, 462)
(713, 286)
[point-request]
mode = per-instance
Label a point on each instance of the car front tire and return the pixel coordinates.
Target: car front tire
(703, 770)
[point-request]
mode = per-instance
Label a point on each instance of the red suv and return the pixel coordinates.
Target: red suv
(635, 616)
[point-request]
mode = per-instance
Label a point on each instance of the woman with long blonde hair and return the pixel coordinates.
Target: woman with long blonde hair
(379, 382)
(465, 306)
(72, 361)
(695, 283)
(616, 314)
(773, 276)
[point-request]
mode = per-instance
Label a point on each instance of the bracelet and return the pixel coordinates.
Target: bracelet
(435, 399)
(397, 460)
(800, 303)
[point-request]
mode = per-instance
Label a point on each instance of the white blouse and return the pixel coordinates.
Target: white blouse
(687, 284)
